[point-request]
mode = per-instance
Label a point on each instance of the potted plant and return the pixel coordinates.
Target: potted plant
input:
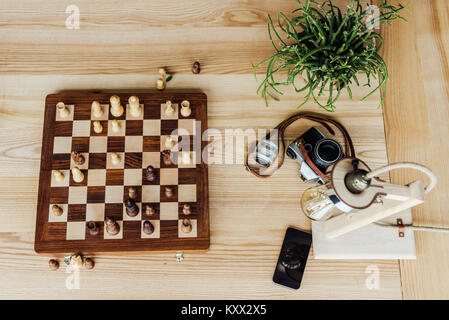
(328, 49)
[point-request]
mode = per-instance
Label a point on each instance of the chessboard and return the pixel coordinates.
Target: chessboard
(88, 176)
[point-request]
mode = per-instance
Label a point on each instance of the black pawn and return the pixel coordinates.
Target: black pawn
(148, 227)
(131, 208)
(150, 174)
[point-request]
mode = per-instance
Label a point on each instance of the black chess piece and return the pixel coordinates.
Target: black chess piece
(131, 208)
(148, 227)
(150, 174)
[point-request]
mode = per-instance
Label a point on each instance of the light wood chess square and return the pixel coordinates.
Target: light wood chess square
(77, 195)
(151, 158)
(155, 234)
(118, 235)
(62, 218)
(71, 109)
(85, 165)
(122, 130)
(191, 234)
(105, 116)
(166, 117)
(62, 145)
(186, 127)
(95, 212)
(169, 211)
(187, 193)
(163, 141)
(133, 143)
(151, 127)
(126, 217)
(114, 194)
(98, 144)
(151, 193)
(130, 117)
(169, 176)
(96, 177)
(81, 128)
(132, 177)
(76, 230)
(120, 165)
(191, 155)
(64, 183)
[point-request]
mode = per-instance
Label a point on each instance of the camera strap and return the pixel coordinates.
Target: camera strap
(282, 127)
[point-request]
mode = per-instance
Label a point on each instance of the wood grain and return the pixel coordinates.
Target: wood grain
(416, 116)
(120, 48)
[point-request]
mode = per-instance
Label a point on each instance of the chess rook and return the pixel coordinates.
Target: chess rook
(77, 175)
(134, 106)
(62, 109)
(132, 209)
(97, 111)
(185, 109)
(78, 158)
(116, 107)
(112, 227)
(148, 227)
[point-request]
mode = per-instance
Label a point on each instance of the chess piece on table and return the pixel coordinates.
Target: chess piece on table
(134, 106)
(96, 109)
(57, 210)
(186, 226)
(186, 209)
(115, 126)
(185, 109)
(160, 84)
(115, 158)
(168, 192)
(149, 210)
(92, 228)
(89, 263)
(59, 176)
(132, 193)
(148, 227)
(62, 109)
(150, 174)
(98, 127)
(166, 157)
(78, 158)
(165, 76)
(53, 264)
(196, 68)
(112, 227)
(116, 107)
(77, 174)
(169, 110)
(131, 207)
(169, 142)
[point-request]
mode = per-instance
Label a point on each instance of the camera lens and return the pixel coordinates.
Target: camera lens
(327, 152)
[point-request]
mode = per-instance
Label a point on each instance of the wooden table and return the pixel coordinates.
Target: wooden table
(121, 47)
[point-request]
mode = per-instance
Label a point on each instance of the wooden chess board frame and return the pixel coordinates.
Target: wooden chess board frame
(65, 234)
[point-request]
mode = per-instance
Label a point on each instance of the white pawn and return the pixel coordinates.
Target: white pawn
(59, 176)
(185, 109)
(116, 107)
(77, 174)
(186, 158)
(62, 109)
(96, 109)
(115, 125)
(115, 158)
(169, 110)
(134, 106)
(98, 128)
(169, 142)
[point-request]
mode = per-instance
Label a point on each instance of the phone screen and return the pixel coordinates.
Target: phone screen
(292, 258)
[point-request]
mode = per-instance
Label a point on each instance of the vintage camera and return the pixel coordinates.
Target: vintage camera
(322, 152)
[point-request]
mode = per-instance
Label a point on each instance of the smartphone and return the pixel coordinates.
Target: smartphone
(292, 258)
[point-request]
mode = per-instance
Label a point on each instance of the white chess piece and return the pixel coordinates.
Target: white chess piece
(77, 174)
(135, 109)
(169, 142)
(115, 158)
(115, 126)
(186, 159)
(185, 109)
(98, 128)
(59, 176)
(169, 110)
(62, 109)
(96, 109)
(116, 107)
(160, 84)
